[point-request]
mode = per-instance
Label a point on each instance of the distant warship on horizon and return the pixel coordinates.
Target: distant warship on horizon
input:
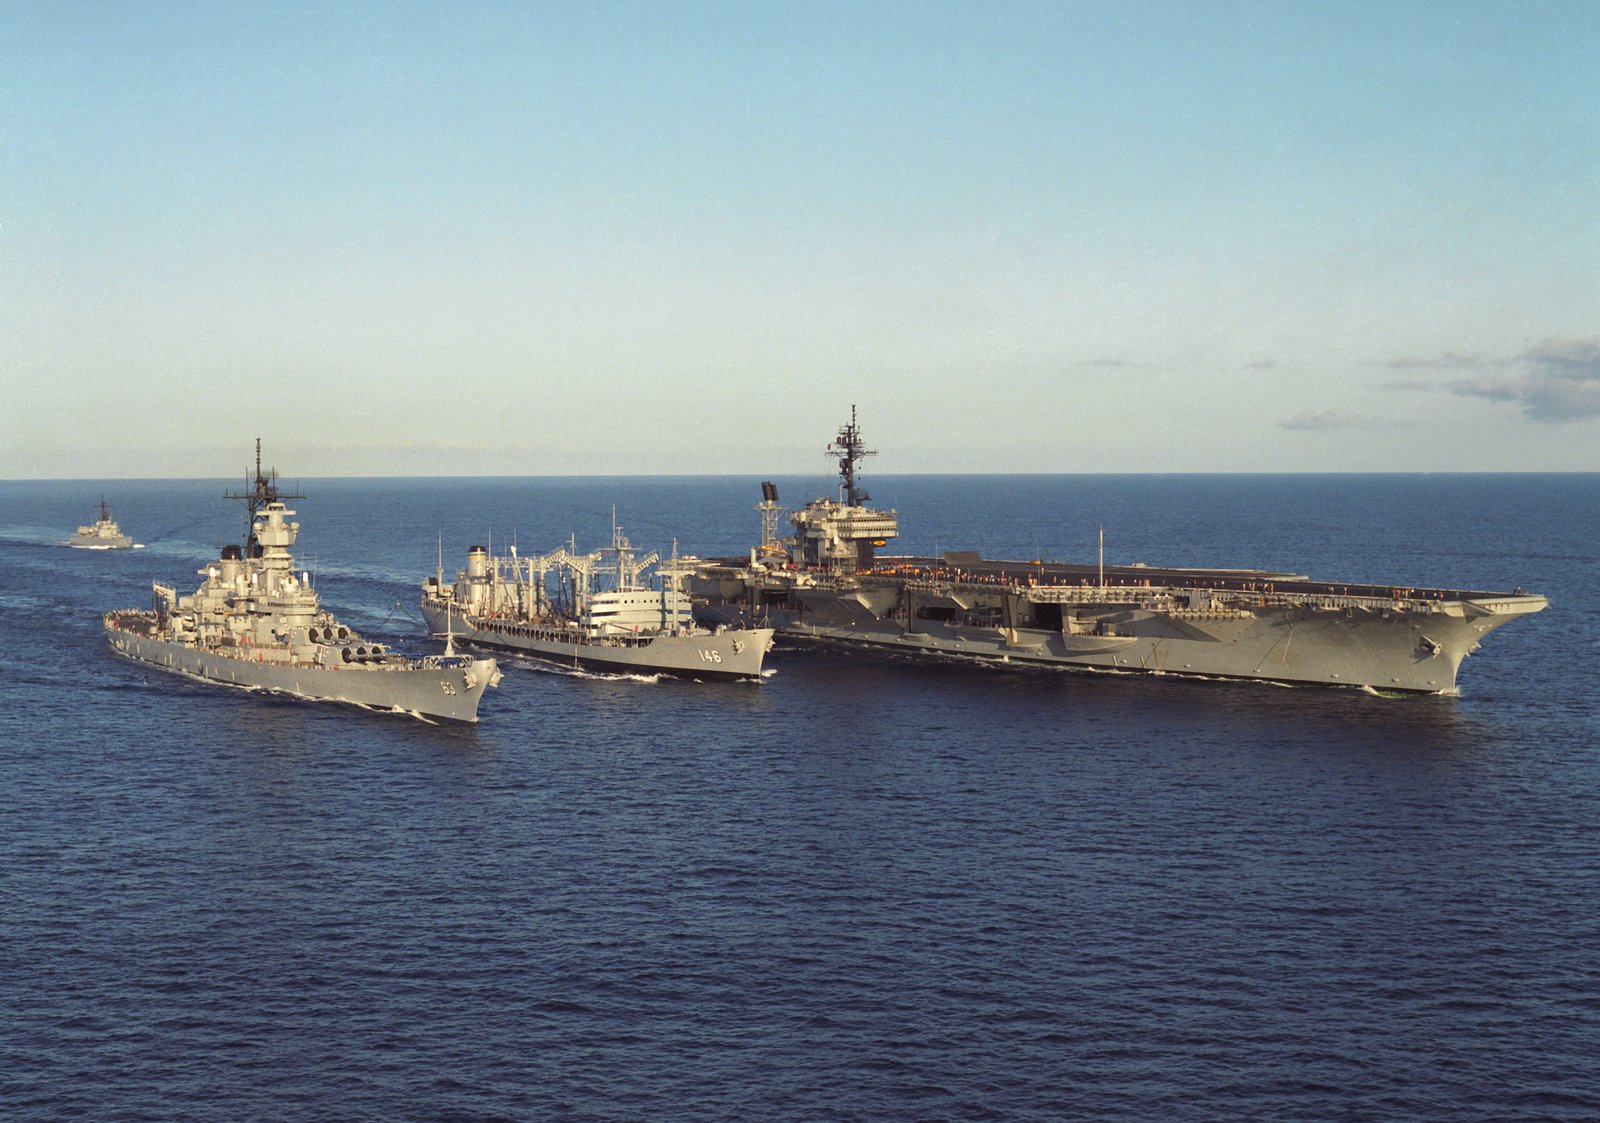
(254, 623)
(828, 583)
(102, 534)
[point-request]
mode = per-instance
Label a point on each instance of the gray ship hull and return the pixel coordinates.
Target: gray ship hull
(1393, 646)
(80, 542)
(446, 691)
(1320, 655)
(734, 653)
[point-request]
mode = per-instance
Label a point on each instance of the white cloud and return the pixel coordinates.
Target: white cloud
(1561, 384)
(1450, 360)
(1329, 421)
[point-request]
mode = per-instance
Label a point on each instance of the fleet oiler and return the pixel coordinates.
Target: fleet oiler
(593, 610)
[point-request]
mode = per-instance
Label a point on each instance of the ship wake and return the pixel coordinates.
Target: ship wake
(564, 671)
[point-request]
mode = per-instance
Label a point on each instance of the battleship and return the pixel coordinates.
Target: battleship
(102, 534)
(828, 583)
(254, 623)
(593, 610)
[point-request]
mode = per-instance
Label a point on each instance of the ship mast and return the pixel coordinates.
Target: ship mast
(257, 493)
(850, 450)
(769, 518)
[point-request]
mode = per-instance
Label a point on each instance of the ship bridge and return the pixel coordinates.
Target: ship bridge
(837, 536)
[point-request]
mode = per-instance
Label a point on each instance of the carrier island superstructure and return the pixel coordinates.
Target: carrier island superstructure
(829, 583)
(254, 622)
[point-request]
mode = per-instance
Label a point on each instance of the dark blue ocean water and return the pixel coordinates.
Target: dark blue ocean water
(862, 890)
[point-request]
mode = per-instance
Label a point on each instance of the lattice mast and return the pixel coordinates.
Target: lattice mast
(850, 450)
(259, 490)
(769, 518)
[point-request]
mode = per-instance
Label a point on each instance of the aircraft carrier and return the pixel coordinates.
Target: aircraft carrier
(829, 583)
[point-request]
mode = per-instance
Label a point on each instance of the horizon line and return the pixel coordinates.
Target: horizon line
(880, 475)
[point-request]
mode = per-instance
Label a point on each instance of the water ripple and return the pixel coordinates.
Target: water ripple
(853, 893)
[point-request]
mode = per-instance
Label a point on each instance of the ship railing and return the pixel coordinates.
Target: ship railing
(1088, 594)
(140, 621)
(566, 635)
(1397, 602)
(1164, 599)
(1218, 584)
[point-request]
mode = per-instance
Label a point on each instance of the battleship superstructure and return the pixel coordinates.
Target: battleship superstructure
(254, 623)
(102, 534)
(828, 583)
(590, 610)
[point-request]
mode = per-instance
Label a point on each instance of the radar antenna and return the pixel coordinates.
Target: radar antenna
(257, 493)
(850, 450)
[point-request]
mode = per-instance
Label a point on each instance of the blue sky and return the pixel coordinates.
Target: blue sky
(520, 238)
